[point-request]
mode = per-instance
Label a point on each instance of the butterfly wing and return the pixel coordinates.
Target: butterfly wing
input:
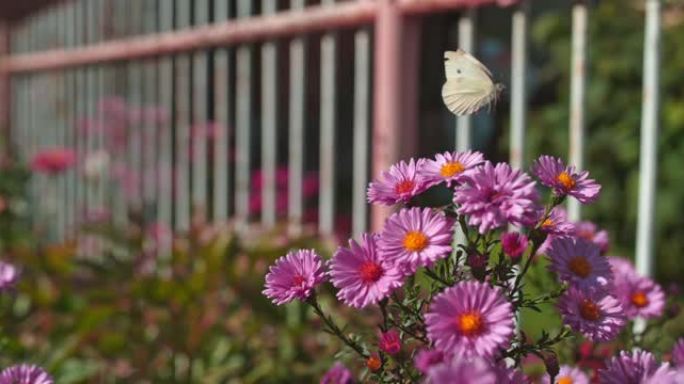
(469, 84)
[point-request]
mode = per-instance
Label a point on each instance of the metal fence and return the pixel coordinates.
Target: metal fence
(200, 61)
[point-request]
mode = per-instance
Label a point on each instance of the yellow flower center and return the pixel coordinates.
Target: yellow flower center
(566, 180)
(564, 380)
(451, 169)
(470, 324)
(547, 223)
(415, 241)
(580, 266)
(404, 186)
(639, 299)
(589, 310)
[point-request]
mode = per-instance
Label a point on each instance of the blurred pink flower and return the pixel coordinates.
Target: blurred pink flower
(97, 215)
(53, 160)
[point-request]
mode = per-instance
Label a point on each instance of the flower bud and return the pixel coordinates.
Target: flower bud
(374, 363)
(514, 245)
(552, 365)
(390, 342)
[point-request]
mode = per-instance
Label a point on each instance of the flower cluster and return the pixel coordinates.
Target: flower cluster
(447, 284)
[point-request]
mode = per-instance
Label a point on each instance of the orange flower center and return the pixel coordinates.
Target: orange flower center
(415, 241)
(580, 266)
(470, 324)
(639, 299)
(547, 223)
(566, 180)
(370, 272)
(373, 363)
(404, 186)
(451, 169)
(589, 310)
(564, 380)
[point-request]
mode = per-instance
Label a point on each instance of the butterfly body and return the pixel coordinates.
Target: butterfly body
(469, 85)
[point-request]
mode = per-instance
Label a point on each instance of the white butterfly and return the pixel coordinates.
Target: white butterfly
(469, 85)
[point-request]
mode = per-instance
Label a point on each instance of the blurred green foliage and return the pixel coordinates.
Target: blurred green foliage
(14, 222)
(195, 315)
(614, 93)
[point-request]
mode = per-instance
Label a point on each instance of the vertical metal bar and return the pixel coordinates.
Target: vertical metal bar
(296, 148)
(200, 120)
(221, 170)
(386, 99)
(165, 95)
(361, 121)
(243, 124)
(182, 92)
(269, 111)
(519, 84)
(120, 150)
(649, 139)
(135, 87)
(149, 127)
(466, 41)
(81, 132)
(55, 132)
(57, 103)
(70, 104)
(91, 95)
(326, 208)
(580, 15)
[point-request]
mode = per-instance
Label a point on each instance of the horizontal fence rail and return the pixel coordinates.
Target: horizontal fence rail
(206, 93)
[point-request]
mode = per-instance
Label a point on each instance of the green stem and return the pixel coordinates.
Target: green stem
(526, 266)
(415, 335)
(385, 316)
(436, 277)
(334, 329)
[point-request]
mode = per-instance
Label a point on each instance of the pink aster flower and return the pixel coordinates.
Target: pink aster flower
(9, 275)
(557, 223)
(361, 275)
(590, 232)
(665, 375)
(389, 342)
(470, 318)
(678, 353)
(568, 375)
(461, 371)
(622, 268)
(294, 276)
(426, 358)
(494, 196)
(596, 315)
(337, 374)
(449, 167)
(25, 374)
(630, 367)
(578, 262)
(416, 237)
(398, 185)
(53, 161)
(640, 296)
(514, 244)
(565, 180)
